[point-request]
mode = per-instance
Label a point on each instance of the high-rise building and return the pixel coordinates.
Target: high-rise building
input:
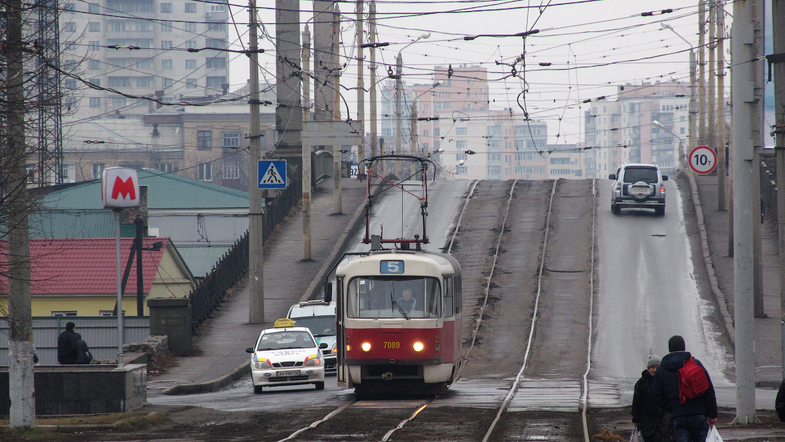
(127, 49)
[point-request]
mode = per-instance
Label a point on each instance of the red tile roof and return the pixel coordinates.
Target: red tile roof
(83, 266)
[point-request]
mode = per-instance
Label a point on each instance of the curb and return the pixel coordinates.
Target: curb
(715, 288)
(210, 386)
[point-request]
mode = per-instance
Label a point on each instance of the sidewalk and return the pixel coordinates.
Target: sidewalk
(220, 346)
(768, 347)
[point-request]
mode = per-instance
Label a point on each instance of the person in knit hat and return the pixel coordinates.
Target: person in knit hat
(693, 417)
(646, 415)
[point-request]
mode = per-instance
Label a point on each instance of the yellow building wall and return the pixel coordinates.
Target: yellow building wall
(171, 280)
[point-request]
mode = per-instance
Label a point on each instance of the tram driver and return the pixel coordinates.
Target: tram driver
(406, 302)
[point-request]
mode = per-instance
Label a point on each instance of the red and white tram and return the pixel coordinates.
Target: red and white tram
(398, 314)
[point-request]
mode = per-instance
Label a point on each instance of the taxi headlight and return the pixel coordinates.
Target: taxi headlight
(366, 346)
(418, 346)
(261, 365)
(312, 361)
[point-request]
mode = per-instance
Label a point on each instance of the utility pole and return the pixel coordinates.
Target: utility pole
(306, 56)
(778, 60)
(398, 113)
(746, 98)
(711, 120)
(721, 170)
(702, 72)
(413, 141)
(372, 68)
(255, 217)
(20, 319)
(360, 90)
(336, 116)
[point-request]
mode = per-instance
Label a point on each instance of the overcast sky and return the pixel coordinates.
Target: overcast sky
(592, 46)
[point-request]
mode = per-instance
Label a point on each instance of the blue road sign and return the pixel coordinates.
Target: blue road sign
(272, 174)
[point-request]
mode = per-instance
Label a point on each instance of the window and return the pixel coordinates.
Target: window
(64, 313)
(93, 8)
(166, 44)
(190, 64)
(461, 131)
(95, 102)
(204, 139)
(166, 8)
(70, 83)
(70, 102)
(190, 83)
(190, 44)
(166, 27)
(144, 81)
(461, 144)
(143, 64)
(461, 170)
(167, 64)
(167, 82)
(190, 27)
(118, 102)
(205, 172)
(94, 65)
(98, 169)
(216, 7)
(231, 140)
(215, 43)
(231, 172)
(119, 81)
(117, 26)
(215, 82)
(375, 297)
(94, 45)
(94, 26)
(167, 167)
(215, 26)
(142, 26)
(216, 63)
(69, 27)
(95, 81)
(190, 8)
(425, 133)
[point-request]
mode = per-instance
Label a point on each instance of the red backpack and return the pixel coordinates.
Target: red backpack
(692, 380)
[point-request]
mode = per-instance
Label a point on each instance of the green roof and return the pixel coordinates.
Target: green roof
(165, 191)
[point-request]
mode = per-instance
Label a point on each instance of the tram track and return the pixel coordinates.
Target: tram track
(494, 246)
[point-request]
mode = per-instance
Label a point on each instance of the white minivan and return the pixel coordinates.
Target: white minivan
(319, 317)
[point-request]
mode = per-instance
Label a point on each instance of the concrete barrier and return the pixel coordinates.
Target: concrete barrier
(82, 389)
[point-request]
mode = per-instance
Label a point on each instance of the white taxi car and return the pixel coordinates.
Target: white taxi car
(286, 355)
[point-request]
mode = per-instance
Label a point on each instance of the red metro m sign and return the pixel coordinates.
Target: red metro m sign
(119, 188)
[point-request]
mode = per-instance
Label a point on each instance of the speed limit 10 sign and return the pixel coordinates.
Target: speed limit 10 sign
(703, 159)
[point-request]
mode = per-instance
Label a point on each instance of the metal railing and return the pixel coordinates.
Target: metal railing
(233, 266)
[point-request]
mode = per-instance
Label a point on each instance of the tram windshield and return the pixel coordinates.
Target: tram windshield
(388, 297)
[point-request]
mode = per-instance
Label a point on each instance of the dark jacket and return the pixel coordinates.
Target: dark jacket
(66, 347)
(84, 356)
(665, 389)
(779, 402)
(645, 412)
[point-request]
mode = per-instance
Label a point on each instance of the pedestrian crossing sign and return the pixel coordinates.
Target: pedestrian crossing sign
(272, 174)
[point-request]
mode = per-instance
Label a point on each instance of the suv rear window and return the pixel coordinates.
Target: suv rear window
(633, 174)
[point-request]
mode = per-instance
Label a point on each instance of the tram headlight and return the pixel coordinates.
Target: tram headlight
(366, 346)
(418, 346)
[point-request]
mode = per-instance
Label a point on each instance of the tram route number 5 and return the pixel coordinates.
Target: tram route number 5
(703, 159)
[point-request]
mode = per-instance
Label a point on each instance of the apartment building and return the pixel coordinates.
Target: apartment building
(645, 124)
(127, 49)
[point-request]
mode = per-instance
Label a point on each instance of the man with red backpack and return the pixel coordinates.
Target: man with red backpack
(686, 392)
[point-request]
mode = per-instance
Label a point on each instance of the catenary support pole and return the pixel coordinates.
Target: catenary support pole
(360, 91)
(778, 37)
(702, 73)
(336, 116)
(743, 156)
(306, 177)
(255, 220)
(721, 157)
(372, 68)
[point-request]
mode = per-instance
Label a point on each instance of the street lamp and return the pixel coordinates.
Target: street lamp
(398, 73)
(681, 144)
(692, 120)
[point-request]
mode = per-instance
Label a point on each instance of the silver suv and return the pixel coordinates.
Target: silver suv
(638, 186)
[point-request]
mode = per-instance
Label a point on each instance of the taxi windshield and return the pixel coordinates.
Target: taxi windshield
(393, 297)
(285, 340)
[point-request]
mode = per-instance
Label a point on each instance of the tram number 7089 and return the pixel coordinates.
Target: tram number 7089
(392, 344)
